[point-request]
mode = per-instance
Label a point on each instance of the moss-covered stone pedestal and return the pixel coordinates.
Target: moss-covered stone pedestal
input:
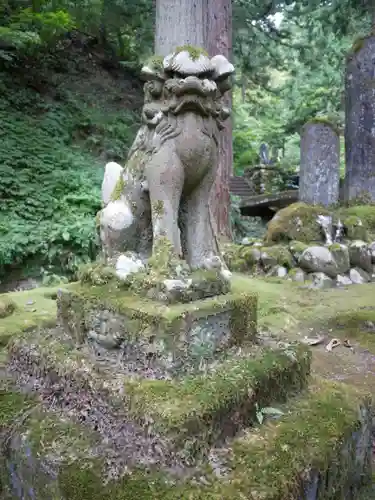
(175, 338)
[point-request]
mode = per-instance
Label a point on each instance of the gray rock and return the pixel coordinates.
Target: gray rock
(372, 250)
(360, 255)
(341, 255)
(268, 261)
(297, 274)
(343, 280)
(127, 265)
(319, 260)
(359, 276)
(320, 280)
(112, 173)
(278, 271)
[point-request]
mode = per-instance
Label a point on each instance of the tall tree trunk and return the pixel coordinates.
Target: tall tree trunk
(218, 40)
(178, 23)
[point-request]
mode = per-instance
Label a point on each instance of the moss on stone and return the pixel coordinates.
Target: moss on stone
(155, 62)
(118, 189)
(281, 255)
(274, 460)
(141, 314)
(7, 307)
(96, 273)
(241, 258)
(199, 406)
(194, 52)
(359, 221)
(271, 462)
(325, 120)
(296, 222)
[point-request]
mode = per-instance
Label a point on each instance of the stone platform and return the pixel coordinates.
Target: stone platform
(178, 336)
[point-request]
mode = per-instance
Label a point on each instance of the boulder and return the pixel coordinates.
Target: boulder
(296, 249)
(372, 250)
(343, 280)
(320, 280)
(296, 222)
(319, 259)
(340, 254)
(360, 255)
(278, 271)
(358, 276)
(297, 274)
(276, 255)
(241, 258)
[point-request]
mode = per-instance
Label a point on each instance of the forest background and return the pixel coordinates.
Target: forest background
(70, 99)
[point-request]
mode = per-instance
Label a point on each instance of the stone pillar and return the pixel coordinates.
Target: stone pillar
(320, 164)
(360, 121)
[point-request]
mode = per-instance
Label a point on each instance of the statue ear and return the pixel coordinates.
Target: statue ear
(222, 68)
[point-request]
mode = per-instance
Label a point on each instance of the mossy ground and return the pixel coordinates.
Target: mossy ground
(293, 312)
(268, 462)
(33, 308)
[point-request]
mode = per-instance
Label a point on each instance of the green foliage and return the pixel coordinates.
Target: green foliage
(50, 187)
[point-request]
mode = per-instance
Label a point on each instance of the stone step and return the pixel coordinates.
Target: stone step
(149, 420)
(320, 448)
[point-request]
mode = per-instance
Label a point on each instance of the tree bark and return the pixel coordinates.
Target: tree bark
(218, 40)
(178, 23)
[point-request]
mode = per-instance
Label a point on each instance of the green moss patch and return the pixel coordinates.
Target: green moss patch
(7, 307)
(31, 309)
(275, 461)
(315, 437)
(296, 222)
(202, 406)
(195, 409)
(166, 321)
(359, 221)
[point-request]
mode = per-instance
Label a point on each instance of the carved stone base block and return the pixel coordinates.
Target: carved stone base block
(177, 337)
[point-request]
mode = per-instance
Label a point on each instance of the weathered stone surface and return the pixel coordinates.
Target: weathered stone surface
(297, 274)
(276, 255)
(112, 173)
(320, 280)
(320, 164)
(126, 265)
(278, 272)
(319, 259)
(342, 280)
(298, 222)
(177, 332)
(360, 255)
(359, 121)
(372, 250)
(133, 423)
(182, 116)
(358, 276)
(340, 253)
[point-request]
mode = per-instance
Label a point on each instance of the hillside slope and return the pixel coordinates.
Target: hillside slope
(62, 117)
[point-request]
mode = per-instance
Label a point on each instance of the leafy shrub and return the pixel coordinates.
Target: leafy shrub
(50, 178)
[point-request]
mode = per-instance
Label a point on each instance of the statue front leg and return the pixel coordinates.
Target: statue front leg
(199, 238)
(165, 178)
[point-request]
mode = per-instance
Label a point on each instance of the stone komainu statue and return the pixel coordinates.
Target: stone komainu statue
(163, 190)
